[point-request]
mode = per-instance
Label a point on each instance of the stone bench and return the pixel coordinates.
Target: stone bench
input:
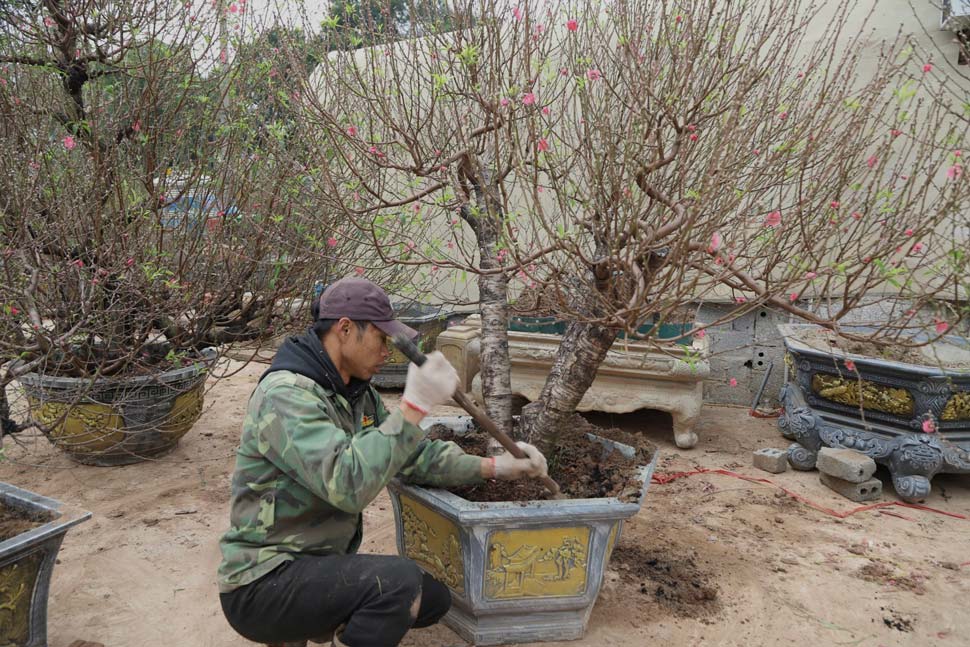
(635, 374)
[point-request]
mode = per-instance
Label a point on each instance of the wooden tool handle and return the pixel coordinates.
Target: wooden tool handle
(414, 354)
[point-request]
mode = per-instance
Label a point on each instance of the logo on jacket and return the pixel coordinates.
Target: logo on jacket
(366, 421)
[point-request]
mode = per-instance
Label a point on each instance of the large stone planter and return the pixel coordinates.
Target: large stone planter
(634, 375)
(429, 322)
(26, 564)
(518, 571)
(913, 418)
(118, 421)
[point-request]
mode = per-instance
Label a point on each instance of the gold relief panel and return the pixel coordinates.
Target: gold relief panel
(16, 590)
(550, 562)
(853, 392)
(86, 429)
(433, 541)
(957, 407)
(611, 541)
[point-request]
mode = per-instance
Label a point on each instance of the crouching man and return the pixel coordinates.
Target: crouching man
(317, 446)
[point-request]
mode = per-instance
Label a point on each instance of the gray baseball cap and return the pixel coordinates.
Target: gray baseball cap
(358, 299)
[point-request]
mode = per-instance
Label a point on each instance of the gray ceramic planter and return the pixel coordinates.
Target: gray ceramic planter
(879, 407)
(518, 571)
(26, 563)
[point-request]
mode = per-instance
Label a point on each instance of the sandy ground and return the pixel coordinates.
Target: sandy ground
(141, 573)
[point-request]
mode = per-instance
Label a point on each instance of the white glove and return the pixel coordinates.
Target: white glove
(510, 468)
(433, 383)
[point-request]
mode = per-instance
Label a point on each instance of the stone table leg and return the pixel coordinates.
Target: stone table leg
(684, 435)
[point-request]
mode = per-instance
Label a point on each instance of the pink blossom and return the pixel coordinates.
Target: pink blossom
(928, 67)
(331, 242)
(954, 171)
(48, 21)
(942, 327)
(678, 19)
(129, 262)
(715, 242)
(434, 268)
(957, 153)
(895, 133)
(564, 71)
(352, 131)
(572, 25)
(528, 99)
(517, 13)
(359, 271)
(810, 275)
(849, 365)
(691, 127)
(233, 8)
(856, 215)
(69, 142)
(504, 102)
(872, 161)
(834, 204)
(546, 111)
(740, 299)
(733, 381)
(793, 297)
(917, 248)
(783, 115)
(909, 232)
(543, 145)
(14, 311)
(800, 75)
(593, 74)
(136, 126)
(757, 151)
(693, 137)
(773, 219)
(929, 426)
(77, 263)
(700, 334)
(451, 245)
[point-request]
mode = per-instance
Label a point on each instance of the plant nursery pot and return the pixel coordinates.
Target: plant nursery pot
(118, 421)
(429, 322)
(912, 417)
(517, 571)
(26, 563)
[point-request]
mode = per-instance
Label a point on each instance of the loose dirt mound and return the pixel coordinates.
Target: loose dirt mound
(675, 582)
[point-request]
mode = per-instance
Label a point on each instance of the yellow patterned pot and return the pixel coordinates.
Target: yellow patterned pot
(118, 421)
(517, 571)
(26, 563)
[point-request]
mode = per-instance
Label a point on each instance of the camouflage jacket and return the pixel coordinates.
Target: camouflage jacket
(308, 464)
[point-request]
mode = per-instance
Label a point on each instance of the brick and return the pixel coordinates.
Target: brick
(867, 491)
(845, 464)
(770, 459)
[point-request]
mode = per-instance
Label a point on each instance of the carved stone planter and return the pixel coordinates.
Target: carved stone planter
(634, 375)
(429, 322)
(118, 421)
(913, 418)
(26, 564)
(518, 571)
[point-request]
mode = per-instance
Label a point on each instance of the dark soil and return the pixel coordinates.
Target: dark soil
(577, 465)
(674, 582)
(14, 522)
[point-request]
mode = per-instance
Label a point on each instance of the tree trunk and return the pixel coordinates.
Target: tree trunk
(583, 349)
(495, 367)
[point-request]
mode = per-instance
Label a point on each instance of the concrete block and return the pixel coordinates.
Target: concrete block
(846, 464)
(770, 459)
(866, 491)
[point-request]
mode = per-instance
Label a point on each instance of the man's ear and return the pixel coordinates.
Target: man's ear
(344, 326)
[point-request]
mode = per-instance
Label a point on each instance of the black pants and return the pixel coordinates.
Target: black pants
(311, 596)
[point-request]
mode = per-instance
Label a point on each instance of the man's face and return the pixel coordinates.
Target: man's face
(365, 352)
